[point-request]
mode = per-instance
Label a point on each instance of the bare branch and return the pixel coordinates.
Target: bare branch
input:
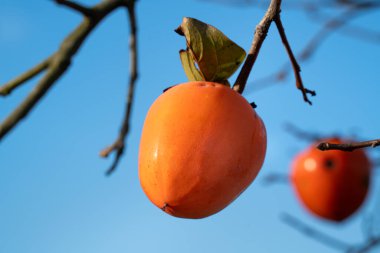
(295, 65)
(332, 24)
(348, 146)
(119, 145)
(7, 88)
(313, 233)
(311, 47)
(77, 7)
(272, 14)
(59, 62)
(258, 39)
(118, 148)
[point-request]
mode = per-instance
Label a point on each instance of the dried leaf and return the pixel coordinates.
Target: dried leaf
(214, 53)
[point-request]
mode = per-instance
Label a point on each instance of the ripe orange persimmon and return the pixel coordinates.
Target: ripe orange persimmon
(331, 184)
(202, 145)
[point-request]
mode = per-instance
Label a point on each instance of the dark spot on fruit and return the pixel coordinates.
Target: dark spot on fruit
(329, 164)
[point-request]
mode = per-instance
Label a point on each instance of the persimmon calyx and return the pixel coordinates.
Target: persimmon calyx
(210, 55)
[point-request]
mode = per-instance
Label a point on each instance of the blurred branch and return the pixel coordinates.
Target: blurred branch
(329, 26)
(348, 146)
(273, 178)
(368, 225)
(258, 39)
(302, 134)
(345, 27)
(366, 247)
(330, 4)
(360, 33)
(313, 233)
(313, 137)
(328, 240)
(295, 65)
(119, 145)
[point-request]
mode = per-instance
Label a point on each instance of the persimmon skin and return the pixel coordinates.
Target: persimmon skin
(202, 145)
(331, 184)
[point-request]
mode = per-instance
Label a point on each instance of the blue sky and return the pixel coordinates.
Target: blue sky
(54, 196)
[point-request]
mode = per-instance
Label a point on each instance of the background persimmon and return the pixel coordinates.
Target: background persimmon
(202, 145)
(331, 184)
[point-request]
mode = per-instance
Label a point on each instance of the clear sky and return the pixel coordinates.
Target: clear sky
(54, 196)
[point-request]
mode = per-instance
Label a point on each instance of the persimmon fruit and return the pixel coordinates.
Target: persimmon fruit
(202, 145)
(331, 184)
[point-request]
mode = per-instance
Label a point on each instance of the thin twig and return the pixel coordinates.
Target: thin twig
(258, 39)
(295, 65)
(59, 63)
(77, 7)
(313, 233)
(119, 145)
(348, 146)
(7, 88)
(333, 24)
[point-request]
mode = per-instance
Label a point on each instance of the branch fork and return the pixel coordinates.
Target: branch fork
(272, 15)
(57, 64)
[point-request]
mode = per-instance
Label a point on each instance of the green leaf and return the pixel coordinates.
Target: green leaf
(191, 71)
(214, 53)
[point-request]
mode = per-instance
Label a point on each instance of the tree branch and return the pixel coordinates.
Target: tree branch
(295, 65)
(77, 7)
(258, 39)
(119, 145)
(336, 23)
(315, 234)
(59, 62)
(7, 88)
(348, 146)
